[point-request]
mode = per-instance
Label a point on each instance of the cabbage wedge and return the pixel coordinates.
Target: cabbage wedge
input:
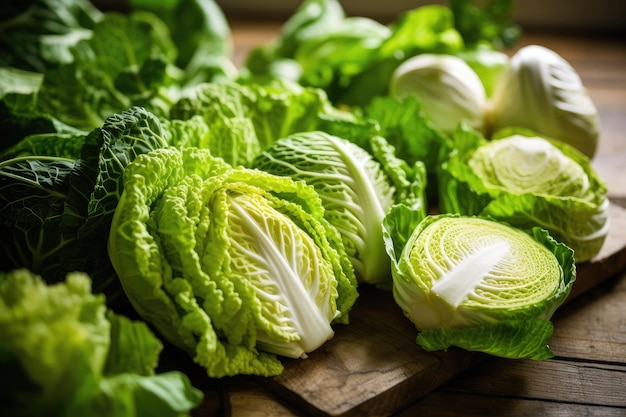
(478, 284)
(357, 189)
(233, 265)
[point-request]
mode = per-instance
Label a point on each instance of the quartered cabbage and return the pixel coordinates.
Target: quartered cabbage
(527, 181)
(356, 189)
(478, 284)
(232, 265)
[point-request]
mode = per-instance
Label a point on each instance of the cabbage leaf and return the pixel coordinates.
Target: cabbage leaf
(72, 356)
(355, 188)
(56, 211)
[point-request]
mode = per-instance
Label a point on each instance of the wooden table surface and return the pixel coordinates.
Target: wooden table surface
(587, 376)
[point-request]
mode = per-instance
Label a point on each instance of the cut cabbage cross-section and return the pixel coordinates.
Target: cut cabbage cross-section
(479, 284)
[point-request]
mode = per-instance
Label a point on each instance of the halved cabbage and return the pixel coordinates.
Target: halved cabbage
(229, 263)
(527, 180)
(479, 284)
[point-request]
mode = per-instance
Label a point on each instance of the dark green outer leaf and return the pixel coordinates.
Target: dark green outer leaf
(57, 212)
(32, 196)
(24, 29)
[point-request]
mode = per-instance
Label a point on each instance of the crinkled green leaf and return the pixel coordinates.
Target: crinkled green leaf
(275, 110)
(73, 357)
(57, 212)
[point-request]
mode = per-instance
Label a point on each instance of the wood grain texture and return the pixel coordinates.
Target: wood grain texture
(455, 404)
(373, 367)
(554, 380)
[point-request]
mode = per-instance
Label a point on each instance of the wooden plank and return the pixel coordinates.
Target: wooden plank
(452, 404)
(593, 326)
(551, 380)
(373, 365)
(245, 398)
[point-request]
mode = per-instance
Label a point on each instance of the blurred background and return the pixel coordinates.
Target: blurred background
(608, 16)
(598, 15)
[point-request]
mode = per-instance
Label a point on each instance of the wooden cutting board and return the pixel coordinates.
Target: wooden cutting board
(373, 366)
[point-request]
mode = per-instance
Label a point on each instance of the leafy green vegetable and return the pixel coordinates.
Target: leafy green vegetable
(448, 88)
(527, 180)
(486, 23)
(425, 29)
(541, 91)
(342, 54)
(352, 58)
(207, 32)
(404, 124)
(73, 357)
(124, 63)
(477, 283)
(355, 190)
(245, 118)
(201, 36)
(19, 116)
(229, 263)
(56, 211)
(36, 35)
(110, 62)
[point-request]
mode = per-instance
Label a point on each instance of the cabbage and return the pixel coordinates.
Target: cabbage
(489, 64)
(62, 353)
(232, 265)
(94, 64)
(245, 118)
(354, 187)
(541, 91)
(477, 283)
(447, 86)
(528, 180)
(59, 195)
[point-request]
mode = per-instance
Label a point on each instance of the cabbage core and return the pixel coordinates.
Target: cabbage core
(473, 270)
(521, 164)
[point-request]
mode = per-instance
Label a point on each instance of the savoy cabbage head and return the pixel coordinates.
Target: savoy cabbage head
(57, 209)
